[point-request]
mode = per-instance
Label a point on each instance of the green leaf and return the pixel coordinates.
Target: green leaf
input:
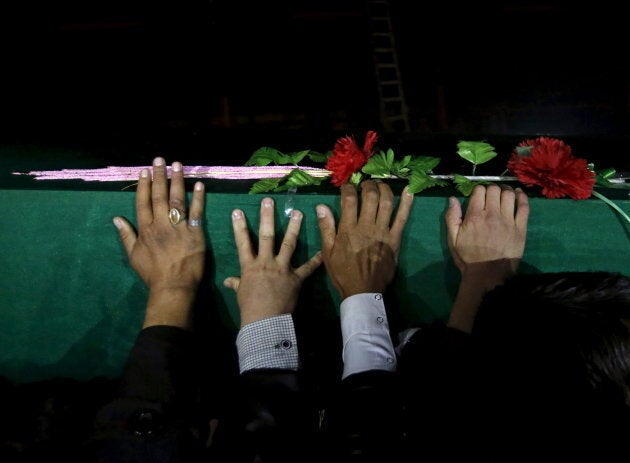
(390, 158)
(601, 177)
(476, 152)
(317, 157)
(421, 181)
(297, 178)
(356, 178)
(296, 157)
(378, 165)
(465, 186)
(266, 155)
(264, 185)
(423, 163)
(401, 172)
(523, 151)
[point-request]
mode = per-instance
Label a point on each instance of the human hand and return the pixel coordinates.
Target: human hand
(487, 245)
(493, 230)
(361, 256)
(168, 257)
(268, 285)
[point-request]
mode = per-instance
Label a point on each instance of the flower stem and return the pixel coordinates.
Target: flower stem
(611, 204)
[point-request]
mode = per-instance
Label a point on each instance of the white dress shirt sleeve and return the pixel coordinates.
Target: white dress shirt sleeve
(367, 344)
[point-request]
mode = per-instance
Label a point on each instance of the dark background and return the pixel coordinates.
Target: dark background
(211, 81)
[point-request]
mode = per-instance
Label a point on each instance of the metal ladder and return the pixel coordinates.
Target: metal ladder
(393, 109)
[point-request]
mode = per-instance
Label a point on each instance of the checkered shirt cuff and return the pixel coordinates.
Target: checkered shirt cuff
(268, 343)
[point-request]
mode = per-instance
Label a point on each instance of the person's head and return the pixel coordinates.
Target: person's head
(559, 343)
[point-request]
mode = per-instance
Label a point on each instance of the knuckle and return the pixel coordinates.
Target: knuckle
(371, 195)
(176, 202)
(288, 245)
(387, 202)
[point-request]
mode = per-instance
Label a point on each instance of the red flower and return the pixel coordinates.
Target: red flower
(552, 166)
(347, 157)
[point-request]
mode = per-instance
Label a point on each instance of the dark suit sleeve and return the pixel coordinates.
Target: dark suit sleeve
(437, 370)
(152, 419)
(272, 419)
(363, 422)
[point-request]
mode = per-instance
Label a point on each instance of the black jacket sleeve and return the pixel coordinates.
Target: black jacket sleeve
(437, 371)
(272, 419)
(363, 422)
(153, 417)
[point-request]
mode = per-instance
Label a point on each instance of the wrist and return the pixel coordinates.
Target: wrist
(170, 306)
(485, 276)
(477, 280)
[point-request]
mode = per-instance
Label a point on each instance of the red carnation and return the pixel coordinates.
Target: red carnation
(347, 157)
(551, 165)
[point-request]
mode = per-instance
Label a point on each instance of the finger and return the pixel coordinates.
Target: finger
(493, 199)
(144, 212)
(507, 201)
(349, 200)
(402, 215)
(197, 204)
(307, 268)
(369, 202)
(241, 237)
(453, 218)
(126, 233)
(289, 242)
(232, 283)
(159, 195)
(326, 222)
(266, 229)
(477, 202)
(385, 205)
(522, 210)
(177, 196)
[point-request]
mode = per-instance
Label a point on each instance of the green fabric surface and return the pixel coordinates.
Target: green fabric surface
(72, 306)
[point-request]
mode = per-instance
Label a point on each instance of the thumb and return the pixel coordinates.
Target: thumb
(326, 222)
(127, 234)
(232, 283)
(453, 218)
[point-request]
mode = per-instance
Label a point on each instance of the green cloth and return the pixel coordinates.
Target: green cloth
(72, 306)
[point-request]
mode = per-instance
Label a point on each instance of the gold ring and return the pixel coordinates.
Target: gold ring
(176, 216)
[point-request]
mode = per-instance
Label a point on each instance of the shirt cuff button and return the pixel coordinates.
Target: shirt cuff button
(379, 320)
(378, 297)
(286, 344)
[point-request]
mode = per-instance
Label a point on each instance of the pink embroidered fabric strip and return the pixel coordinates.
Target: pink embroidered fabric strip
(117, 174)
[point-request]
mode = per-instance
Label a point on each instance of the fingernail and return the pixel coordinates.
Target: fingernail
(267, 202)
(519, 189)
(118, 223)
(144, 173)
(158, 162)
(452, 201)
(177, 167)
(321, 211)
(407, 191)
(237, 215)
(198, 186)
(296, 215)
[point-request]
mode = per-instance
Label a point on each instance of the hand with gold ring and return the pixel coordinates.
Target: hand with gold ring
(167, 252)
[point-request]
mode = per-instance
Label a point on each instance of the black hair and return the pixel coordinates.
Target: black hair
(560, 340)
